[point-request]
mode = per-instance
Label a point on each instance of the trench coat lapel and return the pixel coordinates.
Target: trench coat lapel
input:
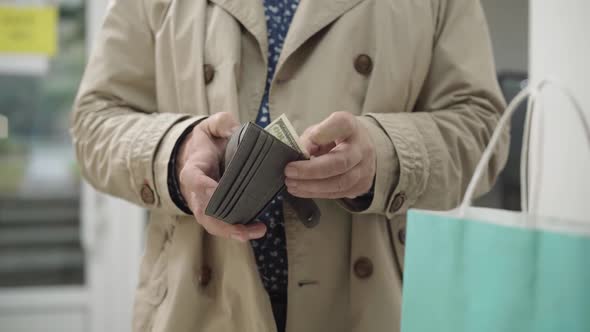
(250, 13)
(311, 17)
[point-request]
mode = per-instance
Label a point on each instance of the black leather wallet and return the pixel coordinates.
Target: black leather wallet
(253, 175)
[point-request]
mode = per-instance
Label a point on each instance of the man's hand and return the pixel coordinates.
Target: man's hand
(198, 164)
(343, 160)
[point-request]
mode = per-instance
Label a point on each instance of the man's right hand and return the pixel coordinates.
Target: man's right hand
(198, 161)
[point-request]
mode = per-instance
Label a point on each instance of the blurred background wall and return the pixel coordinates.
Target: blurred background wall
(560, 50)
(69, 256)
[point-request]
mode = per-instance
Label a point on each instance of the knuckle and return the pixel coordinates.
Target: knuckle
(364, 149)
(369, 152)
(334, 195)
(344, 119)
(197, 207)
(341, 116)
(200, 182)
(343, 183)
(310, 172)
(232, 119)
(307, 132)
(184, 175)
(367, 183)
(356, 191)
(312, 134)
(214, 229)
(199, 127)
(356, 155)
(223, 117)
(305, 186)
(303, 171)
(342, 163)
(354, 175)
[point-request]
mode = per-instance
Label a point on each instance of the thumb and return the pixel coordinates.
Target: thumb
(221, 125)
(336, 128)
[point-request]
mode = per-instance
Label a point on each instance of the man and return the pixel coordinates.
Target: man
(395, 100)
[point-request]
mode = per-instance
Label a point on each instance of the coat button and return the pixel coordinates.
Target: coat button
(281, 80)
(363, 64)
(401, 236)
(209, 73)
(363, 268)
(398, 202)
(147, 195)
(282, 77)
(203, 276)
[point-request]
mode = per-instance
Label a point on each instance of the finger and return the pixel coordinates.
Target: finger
(315, 195)
(339, 161)
(315, 150)
(336, 128)
(256, 230)
(219, 228)
(200, 195)
(205, 187)
(237, 232)
(352, 193)
(221, 125)
(336, 184)
(361, 188)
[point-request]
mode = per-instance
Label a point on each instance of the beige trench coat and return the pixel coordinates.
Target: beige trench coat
(420, 76)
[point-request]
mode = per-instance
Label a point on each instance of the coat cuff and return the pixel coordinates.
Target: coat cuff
(163, 195)
(387, 171)
(412, 155)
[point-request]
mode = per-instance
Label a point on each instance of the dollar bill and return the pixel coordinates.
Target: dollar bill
(282, 129)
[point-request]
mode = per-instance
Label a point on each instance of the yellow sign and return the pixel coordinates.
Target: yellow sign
(31, 30)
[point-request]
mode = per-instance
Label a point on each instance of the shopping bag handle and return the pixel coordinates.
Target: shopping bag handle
(532, 91)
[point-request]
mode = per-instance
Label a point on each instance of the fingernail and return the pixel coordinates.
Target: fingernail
(209, 191)
(291, 184)
(291, 172)
(237, 237)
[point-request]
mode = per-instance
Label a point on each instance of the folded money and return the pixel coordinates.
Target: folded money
(282, 129)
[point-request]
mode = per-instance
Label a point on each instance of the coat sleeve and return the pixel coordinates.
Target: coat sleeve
(426, 158)
(123, 144)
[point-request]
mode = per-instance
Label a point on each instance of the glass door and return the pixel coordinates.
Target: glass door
(39, 180)
(42, 262)
(69, 256)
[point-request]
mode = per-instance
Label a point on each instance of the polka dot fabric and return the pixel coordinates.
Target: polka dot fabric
(271, 251)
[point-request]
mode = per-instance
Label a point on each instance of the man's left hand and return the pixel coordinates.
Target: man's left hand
(342, 164)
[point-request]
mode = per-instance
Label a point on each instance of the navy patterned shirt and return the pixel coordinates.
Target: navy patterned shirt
(271, 251)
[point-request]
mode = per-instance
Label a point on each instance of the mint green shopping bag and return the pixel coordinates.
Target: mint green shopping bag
(485, 270)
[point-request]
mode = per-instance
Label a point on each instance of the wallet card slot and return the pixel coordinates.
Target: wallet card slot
(251, 199)
(257, 161)
(231, 173)
(242, 171)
